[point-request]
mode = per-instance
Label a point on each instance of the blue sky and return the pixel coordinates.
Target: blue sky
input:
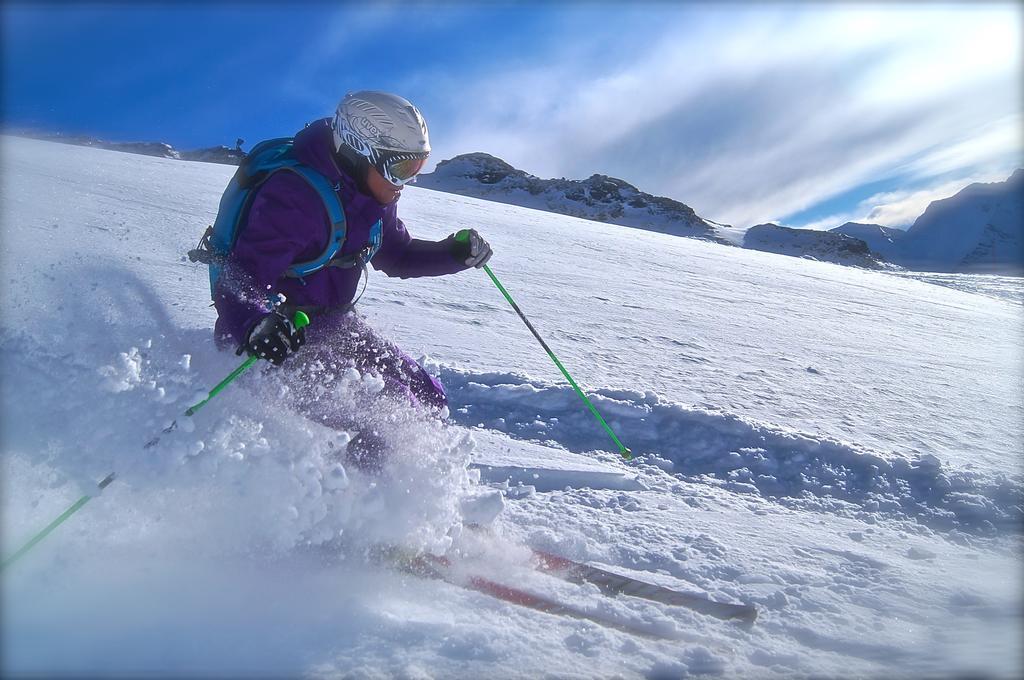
(809, 114)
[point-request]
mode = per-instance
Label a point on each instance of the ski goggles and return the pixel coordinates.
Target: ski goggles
(400, 167)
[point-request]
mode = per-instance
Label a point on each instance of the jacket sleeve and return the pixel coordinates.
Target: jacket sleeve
(281, 227)
(403, 256)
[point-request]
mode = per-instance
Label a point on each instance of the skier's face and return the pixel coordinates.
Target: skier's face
(383, 191)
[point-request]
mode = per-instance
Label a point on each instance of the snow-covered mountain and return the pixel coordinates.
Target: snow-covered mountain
(600, 198)
(980, 229)
(879, 239)
(838, 446)
(214, 154)
(809, 243)
(977, 230)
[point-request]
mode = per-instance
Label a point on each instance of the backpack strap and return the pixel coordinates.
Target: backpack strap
(335, 214)
(265, 159)
(274, 155)
(363, 257)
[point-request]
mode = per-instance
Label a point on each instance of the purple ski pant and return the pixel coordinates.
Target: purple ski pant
(338, 341)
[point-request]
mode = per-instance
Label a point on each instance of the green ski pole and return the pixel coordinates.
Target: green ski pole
(75, 507)
(623, 451)
(300, 320)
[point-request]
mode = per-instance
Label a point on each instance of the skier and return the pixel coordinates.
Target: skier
(374, 145)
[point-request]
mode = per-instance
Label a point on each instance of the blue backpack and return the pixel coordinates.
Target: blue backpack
(266, 158)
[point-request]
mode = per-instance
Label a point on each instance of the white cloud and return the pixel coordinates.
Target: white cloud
(999, 141)
(752, 113)
(900, 208)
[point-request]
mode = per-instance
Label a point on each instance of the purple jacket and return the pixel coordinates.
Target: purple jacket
(288, 223)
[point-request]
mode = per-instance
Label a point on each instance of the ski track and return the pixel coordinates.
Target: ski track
(741, 455)
(205, 557)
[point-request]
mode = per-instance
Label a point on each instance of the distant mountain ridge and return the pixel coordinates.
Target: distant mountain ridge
(213, 154)
(879, 239)
(599, 197)
(819, 245)
(611, 200)
(978, 230)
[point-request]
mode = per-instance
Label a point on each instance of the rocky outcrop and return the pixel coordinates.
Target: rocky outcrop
(824, 246)
(599, 197)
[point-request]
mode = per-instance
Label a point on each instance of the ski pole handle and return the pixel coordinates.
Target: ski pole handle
(463, 236)
(300, 320)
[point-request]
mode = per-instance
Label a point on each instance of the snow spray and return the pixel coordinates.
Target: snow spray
(300, 320)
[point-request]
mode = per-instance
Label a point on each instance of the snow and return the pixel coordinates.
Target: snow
(839, 446)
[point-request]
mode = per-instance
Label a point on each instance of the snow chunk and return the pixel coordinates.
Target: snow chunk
(702, 661)
(336, 478)
(917, 553)
(483, 508)
(372, 383)
(125, 374)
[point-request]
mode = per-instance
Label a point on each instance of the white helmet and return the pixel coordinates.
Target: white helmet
(386, 130)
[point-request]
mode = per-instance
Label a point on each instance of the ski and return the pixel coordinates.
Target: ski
(611, 583)
(442, 568)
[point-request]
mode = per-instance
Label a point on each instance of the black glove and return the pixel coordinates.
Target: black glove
(274, 337)
(471, 248)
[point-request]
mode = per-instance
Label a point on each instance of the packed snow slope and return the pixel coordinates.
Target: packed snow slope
(838, 446)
